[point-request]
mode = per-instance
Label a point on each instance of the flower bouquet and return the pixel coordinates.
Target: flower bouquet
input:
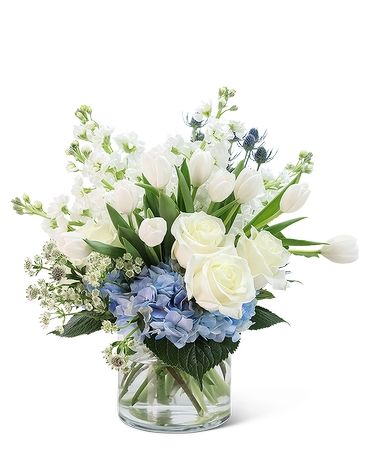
(173, 249)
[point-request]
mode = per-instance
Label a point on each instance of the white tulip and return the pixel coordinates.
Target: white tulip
(248, 185)
(152, 231)
(265, 255)
(200, 167)
(221, 185)
(157, 169)
(198, 233)
(220, 282)
(102, 231)
(294, 197)
(125, 196)
(71, 244)
(342, 249)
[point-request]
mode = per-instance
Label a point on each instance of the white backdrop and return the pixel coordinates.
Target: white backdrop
(300, 68)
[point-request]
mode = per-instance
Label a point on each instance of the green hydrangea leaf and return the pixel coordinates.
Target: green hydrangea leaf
(265, 318)
(194, 358)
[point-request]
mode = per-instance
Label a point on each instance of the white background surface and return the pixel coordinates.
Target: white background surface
(299, 392)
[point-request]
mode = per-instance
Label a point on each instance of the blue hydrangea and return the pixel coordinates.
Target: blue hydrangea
(158, 293)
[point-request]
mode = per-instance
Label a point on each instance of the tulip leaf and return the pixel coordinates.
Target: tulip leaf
(277, 228)
(149, 188)
(270, 211)
(133, 244)
(194, 358)
(116, 218)
(139, 219)
(185, 201)
(185, 171)
(106, 249)
(229, 219)
(150, 197)
(223, 210)
(265, 318)
(168, 211)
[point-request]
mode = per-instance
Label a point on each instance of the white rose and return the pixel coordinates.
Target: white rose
(342, 249)
(248, 185)
(294, 197)
(220, 282)
(71, 244)
(198, 233)
(125, 196)
(221, 185)
(152, 231)
(265, 255)
(157, 169)
(200, 167)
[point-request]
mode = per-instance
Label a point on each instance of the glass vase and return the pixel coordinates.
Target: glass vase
(156, 397)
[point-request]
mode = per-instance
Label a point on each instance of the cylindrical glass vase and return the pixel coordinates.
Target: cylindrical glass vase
(156, 397)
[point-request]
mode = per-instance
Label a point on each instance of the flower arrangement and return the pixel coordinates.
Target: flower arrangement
(172, 248)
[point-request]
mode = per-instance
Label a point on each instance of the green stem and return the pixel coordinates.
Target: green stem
(186, 390)
(130, 220)
(130, 379)
(305, 253)
(194, 192)
(139, 391)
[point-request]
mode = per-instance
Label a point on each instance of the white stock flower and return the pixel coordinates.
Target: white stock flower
(203, 111)
(198, 233)
(221, 185)
(342, 249)
(71, 244)
(220, 153)
(129, 143)
(294, 197)
(200, 167)
(265, 256)
(217, 131)
(152, 231)
(248, 185)
(125, 196)
(220, 282)
(157, 169)
(238, 128)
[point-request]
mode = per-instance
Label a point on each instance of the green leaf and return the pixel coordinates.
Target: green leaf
(239, 168)
(270, 211)
(277, 228)
(130, 235)
(265, 318)
(150, 197)
(168, 211)
(224, 210)
(106, 249)
(185, 171)
(229, 219)
(194, 358)
(185, 200)
(116, 218)
(264, 294)
(148, 187)
(84, 322)
(292, 242)
(139, 219)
